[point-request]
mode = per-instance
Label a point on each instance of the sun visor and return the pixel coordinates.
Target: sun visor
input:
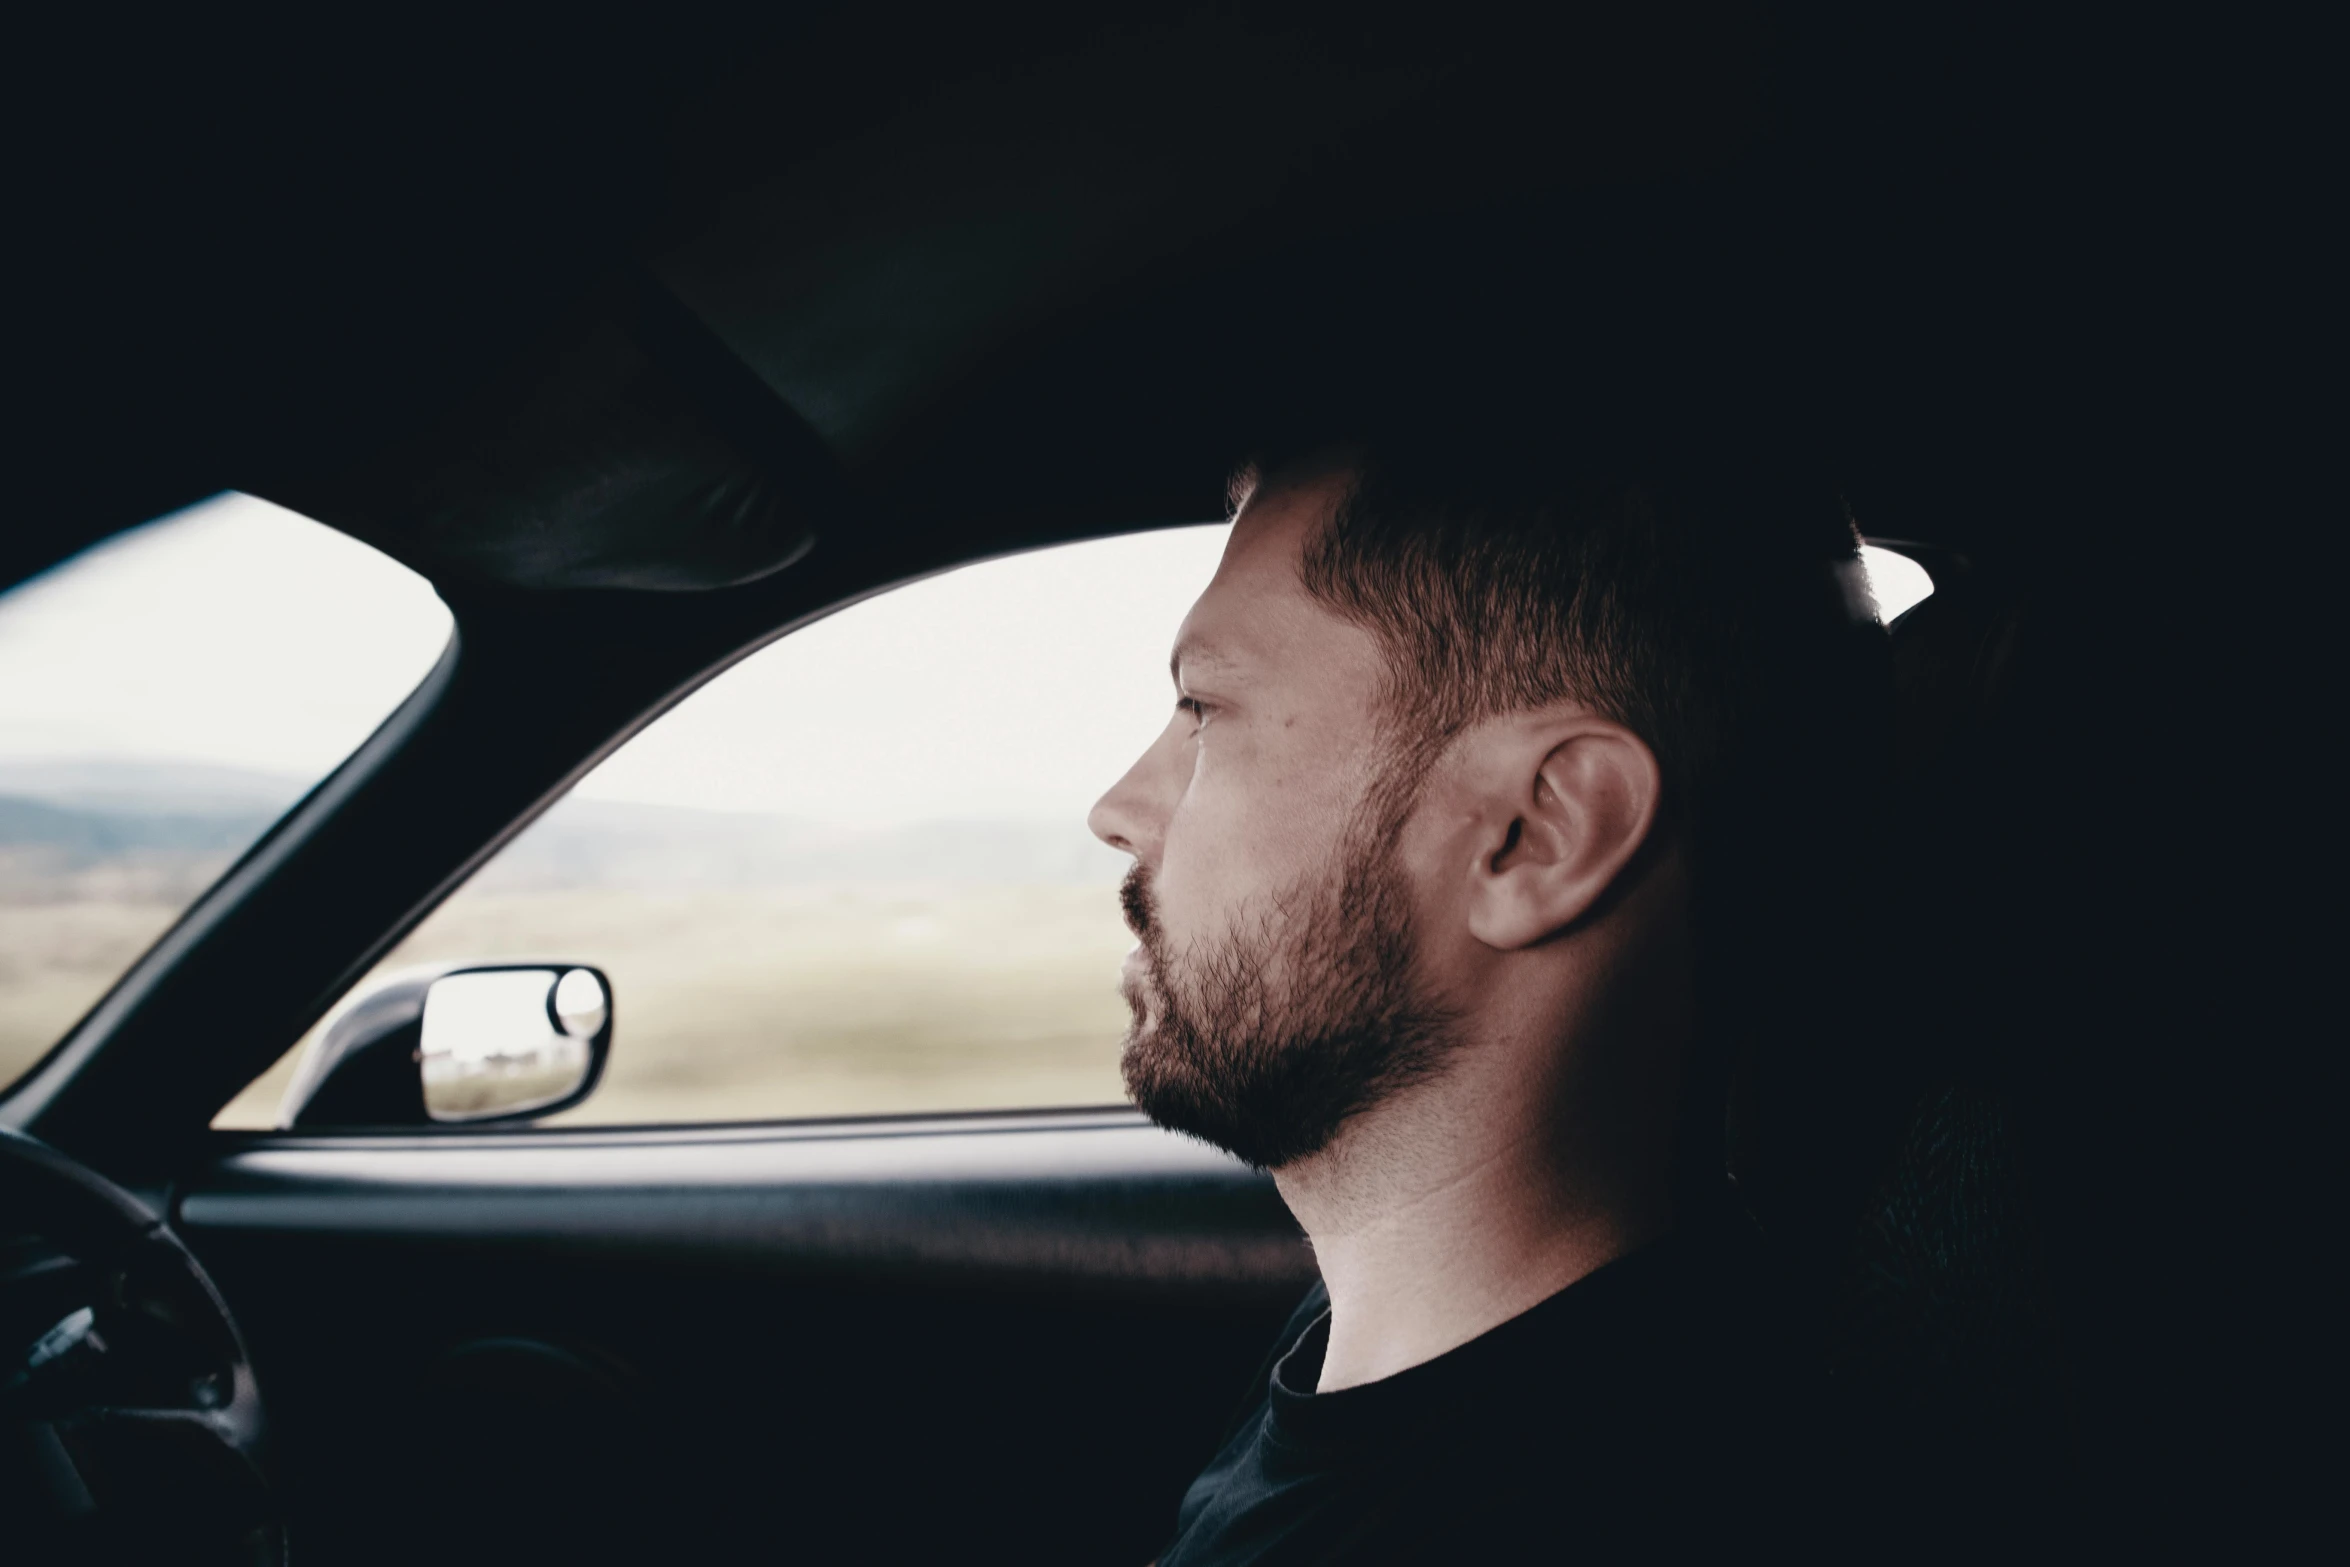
(629, 449)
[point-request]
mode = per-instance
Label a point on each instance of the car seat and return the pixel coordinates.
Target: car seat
(1941, 1335)
(1877, 1135)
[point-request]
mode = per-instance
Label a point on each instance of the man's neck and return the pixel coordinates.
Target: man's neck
(1429, 1236)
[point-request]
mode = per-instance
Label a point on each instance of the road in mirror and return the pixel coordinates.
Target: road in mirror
(507, 1040)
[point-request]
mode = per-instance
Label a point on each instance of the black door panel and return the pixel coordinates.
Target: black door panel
(1004, 1338)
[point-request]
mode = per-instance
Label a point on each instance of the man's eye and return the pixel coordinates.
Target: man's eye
(1192, 705)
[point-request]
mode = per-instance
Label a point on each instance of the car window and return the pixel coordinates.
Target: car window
(164, 697)
(1897, 583)
(851, 875)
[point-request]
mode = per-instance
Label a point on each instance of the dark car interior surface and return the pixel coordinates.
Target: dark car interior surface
(650, 340)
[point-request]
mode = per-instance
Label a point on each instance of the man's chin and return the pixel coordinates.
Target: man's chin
(1161, 1087)
(1168, 1085)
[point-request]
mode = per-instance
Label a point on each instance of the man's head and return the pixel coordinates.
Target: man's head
(1447, 741)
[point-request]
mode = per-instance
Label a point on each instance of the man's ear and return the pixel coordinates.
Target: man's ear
(1583, 797)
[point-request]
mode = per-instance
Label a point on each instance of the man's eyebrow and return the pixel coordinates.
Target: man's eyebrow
(1192, 651)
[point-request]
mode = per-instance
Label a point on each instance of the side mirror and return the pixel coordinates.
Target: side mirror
(429, 1047)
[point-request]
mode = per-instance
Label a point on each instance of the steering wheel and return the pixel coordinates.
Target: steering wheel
(131, 1426)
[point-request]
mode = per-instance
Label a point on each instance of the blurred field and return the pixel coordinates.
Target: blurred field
(810, 1001)
(85, 889)
(57, 958)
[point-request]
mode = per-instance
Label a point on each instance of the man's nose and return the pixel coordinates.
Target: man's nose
(1122, 818)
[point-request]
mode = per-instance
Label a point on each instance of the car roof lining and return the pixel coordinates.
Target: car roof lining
(628, 449)
(1027, 279)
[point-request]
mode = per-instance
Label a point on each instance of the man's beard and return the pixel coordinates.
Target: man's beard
(1265, 1040)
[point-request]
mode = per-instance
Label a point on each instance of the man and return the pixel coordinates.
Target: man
(1485, 793)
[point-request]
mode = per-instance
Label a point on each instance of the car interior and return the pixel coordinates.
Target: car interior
(649, 342)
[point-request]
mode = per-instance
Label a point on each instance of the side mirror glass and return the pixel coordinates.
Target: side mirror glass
(503, 1042)
(440, 1046)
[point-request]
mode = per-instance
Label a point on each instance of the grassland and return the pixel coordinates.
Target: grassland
(58, 957)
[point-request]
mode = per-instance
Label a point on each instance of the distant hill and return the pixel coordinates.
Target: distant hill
(68, 828)
(97, 834)
(165, 788)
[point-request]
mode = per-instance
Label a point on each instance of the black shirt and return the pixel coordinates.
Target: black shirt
(1651, 1411)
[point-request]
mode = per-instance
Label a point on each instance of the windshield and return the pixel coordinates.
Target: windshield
(164, 697)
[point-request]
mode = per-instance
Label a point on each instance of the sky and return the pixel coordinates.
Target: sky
(1016, 687)
(239, 634)
(234, 632)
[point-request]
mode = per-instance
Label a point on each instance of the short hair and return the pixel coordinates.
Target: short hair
(1725, 622)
